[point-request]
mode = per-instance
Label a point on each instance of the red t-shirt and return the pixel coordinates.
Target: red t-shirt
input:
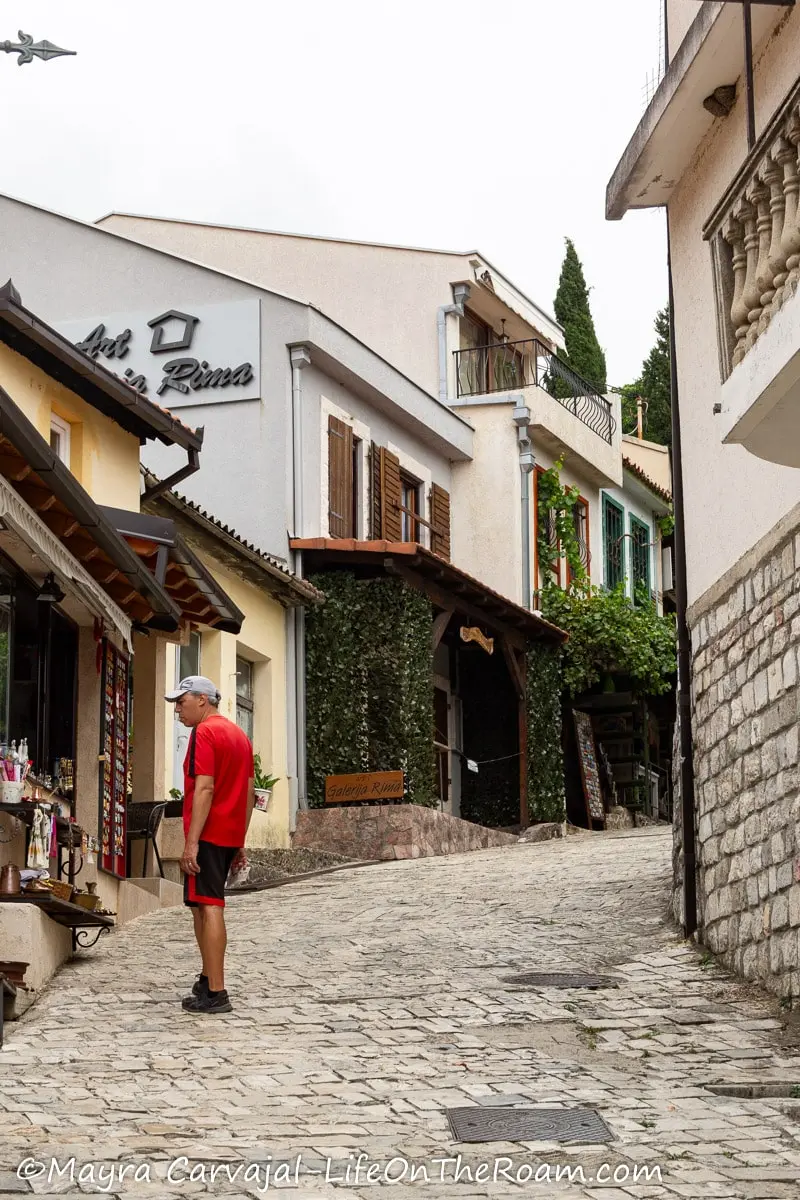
(221, 749)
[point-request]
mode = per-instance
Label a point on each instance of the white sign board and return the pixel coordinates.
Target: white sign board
(192, 355)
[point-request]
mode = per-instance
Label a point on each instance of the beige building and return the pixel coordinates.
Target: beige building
(722, 157)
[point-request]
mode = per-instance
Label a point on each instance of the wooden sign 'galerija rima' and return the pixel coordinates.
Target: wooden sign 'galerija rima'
(369, 785)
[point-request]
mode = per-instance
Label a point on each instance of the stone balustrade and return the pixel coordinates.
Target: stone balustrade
(755, 236)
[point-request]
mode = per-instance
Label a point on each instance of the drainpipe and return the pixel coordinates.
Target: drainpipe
(296, 649)
(684, 650)
(460, 296)
(522, 418)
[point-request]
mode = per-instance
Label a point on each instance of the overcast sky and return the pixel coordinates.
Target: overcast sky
(427, 122)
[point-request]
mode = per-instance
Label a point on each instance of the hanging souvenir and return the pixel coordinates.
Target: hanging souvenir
(38, 846)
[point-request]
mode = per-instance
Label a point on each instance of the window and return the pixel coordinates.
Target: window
(60, 438)
(189, 658)
(613, 534)
(409, 508)
(640, 556)
(244, 696)
(580, 516)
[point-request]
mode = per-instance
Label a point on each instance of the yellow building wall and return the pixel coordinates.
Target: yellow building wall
(104, 458)
(262, 641)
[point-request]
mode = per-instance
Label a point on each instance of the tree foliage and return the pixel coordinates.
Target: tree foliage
(584, 353)
(653, 385)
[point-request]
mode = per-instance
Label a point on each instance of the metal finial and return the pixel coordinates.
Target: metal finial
(26, 48)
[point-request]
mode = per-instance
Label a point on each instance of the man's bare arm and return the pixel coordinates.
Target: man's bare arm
(201, 807)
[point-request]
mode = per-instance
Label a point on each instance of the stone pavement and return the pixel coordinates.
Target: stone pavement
(368, 1002)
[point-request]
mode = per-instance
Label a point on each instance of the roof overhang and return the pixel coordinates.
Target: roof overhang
(353, 364)
(447, 585)
(175, 566)
(710, 56)
(54, 354)
(48, 487)
(20, 524)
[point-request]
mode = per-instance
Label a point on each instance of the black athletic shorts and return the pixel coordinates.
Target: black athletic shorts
(209, 886)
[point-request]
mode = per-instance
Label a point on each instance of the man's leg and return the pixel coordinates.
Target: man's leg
(212, 946)
(197, 916)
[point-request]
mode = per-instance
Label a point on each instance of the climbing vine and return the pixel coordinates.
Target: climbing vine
(557, 537)
(606, 632)
(369, 683)
(546, 800)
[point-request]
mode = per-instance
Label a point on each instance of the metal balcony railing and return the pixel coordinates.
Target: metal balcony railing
(482, 370)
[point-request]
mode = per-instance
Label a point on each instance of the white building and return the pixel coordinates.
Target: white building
(467, 335)
(718, 147)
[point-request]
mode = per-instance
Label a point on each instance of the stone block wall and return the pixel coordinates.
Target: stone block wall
(389, 831)
(745, 637)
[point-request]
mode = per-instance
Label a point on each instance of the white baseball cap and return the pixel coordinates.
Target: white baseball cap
(194, 683)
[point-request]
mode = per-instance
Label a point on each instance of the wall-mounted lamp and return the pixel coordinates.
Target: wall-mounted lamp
(50, 592)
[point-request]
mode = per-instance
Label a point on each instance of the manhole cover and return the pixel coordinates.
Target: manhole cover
(527, 1125)
(532, 979)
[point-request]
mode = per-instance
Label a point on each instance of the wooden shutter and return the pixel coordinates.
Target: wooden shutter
(376, 499)
(440, 520)
(340, 479)
(391, 497)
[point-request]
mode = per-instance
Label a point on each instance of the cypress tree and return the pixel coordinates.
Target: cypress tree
(653, 385)
(584, 353)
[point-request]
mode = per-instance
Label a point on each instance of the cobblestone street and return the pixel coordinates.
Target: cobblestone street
(369, 1001)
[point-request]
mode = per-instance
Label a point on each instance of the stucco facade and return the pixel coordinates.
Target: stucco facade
(741, 511)
(388, 296)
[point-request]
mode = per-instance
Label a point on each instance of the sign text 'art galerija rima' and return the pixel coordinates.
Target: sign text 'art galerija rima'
(210, 353)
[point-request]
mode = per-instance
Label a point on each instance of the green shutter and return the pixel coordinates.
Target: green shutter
(613, 545)
(640, 555)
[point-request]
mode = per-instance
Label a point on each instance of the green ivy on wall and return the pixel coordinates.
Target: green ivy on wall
(546, 797)
(606, 632)
(369, 683)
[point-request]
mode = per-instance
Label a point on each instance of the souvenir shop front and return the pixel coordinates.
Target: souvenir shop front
(65, 686)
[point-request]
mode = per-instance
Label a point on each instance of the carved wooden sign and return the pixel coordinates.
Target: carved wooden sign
(370, 785)
(471, 634)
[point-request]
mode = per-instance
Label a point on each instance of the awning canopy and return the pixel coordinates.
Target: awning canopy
(18, 520)
(49, 488)
(448, 586)
(185, 578)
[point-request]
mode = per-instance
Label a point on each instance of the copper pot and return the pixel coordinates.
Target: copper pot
(10, 882)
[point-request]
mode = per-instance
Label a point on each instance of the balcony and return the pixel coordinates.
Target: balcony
(755, 240)
(569, 415)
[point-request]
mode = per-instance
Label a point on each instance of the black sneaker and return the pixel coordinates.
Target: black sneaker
(206, 1003)
(200, 985)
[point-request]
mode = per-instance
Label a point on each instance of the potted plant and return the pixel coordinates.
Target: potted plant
(264, 783)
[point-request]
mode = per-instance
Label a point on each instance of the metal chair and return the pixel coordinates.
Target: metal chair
(144, 819)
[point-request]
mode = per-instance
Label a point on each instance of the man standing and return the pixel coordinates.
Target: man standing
(218, 798)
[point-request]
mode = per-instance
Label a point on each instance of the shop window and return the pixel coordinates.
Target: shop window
(60, 438)
(244, 695)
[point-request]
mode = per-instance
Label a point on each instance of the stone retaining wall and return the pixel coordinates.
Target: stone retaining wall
(389, 831)
(745, 710)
